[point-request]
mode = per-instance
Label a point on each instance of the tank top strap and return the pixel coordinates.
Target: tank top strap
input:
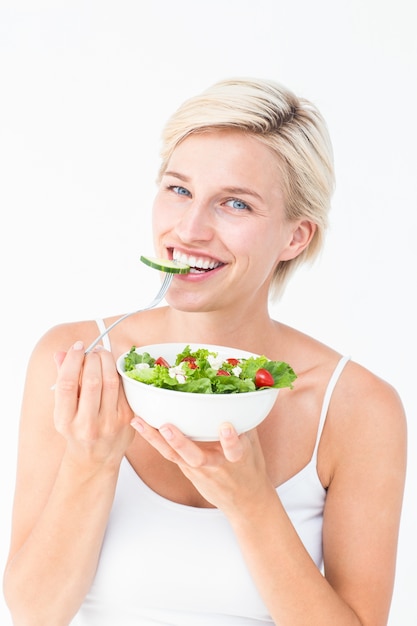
(326, 400)
(106, 339)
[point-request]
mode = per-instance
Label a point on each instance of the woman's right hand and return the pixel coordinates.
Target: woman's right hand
(91, 411)
(70, 452)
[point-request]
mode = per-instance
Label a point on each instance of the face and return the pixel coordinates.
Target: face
(220, 209)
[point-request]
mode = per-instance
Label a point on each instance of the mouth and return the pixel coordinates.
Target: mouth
(198, 264)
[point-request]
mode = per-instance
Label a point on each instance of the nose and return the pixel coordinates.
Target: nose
(195, 223)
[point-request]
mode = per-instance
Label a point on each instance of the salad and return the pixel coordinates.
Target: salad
(204, 371)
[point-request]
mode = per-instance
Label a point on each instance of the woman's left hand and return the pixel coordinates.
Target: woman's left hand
(228, 473)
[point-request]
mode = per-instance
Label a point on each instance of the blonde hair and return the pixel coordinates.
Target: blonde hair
(291, 127)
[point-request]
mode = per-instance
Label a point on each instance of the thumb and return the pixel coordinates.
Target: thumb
(231, 443)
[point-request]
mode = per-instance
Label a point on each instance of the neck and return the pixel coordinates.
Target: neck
(246, 329)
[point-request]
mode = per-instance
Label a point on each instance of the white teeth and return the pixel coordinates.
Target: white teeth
(203, 263)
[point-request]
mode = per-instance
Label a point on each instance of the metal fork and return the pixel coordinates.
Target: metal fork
(159, 296)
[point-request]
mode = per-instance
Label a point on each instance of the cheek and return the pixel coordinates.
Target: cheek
(155, 218)
(267, 246)
(159, 227)
(160, 217)
(263, 240)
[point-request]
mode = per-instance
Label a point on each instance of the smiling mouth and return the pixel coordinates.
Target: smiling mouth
(198, 264)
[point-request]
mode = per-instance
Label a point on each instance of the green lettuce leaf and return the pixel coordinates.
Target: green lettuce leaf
(204, 378)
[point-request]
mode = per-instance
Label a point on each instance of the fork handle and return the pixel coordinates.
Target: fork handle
(104, 333)
(120, 319)
(157, 299)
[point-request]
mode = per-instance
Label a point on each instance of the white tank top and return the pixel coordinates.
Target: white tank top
(168, 564)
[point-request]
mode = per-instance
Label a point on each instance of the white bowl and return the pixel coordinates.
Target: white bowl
(197, 415)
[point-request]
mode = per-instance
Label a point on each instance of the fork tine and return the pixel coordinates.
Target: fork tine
(165, 284)
(161, 293)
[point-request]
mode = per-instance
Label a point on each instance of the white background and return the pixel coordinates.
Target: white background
(85, 88)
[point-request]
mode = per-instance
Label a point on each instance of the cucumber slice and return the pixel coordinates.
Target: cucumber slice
(165, 265)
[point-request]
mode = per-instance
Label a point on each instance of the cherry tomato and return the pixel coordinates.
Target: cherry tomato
(222, 373)
(263, 378)
(161, 361)
(233, 362)
(191, 360)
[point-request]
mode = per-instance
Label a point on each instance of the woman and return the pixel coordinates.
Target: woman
(292, 523)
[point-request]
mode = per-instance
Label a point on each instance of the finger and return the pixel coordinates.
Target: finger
(166, 440)
(124, 406)
(154, 438)
(67, 384)
(187, 450)
(59, 358)
(231, 443)
(110, 383)
(91, 384)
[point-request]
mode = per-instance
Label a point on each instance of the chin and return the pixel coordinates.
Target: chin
(190, 303)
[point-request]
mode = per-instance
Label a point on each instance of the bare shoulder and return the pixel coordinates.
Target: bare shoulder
(362, 462)
(62, 336)
(363, 397)
(359, 391)
(366, 424)
(366, 429)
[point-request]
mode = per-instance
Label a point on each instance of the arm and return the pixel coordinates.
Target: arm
(363, 462)
(69, 456)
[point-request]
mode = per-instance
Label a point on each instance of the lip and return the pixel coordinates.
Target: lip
(199, 276)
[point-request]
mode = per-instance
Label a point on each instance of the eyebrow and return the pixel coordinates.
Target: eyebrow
(230, 190)
(176, 175)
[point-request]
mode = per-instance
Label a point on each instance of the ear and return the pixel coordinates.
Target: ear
(301, 233)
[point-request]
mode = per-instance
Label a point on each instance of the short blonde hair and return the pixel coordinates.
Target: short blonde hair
(291, 127)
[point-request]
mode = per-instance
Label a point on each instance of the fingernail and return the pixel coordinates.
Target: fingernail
(137, 425)
(166, 433)
(98, 348)
(225, 431)
(78, 345)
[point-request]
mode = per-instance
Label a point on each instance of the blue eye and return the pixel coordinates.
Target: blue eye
(239, 205)
(181, 191)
